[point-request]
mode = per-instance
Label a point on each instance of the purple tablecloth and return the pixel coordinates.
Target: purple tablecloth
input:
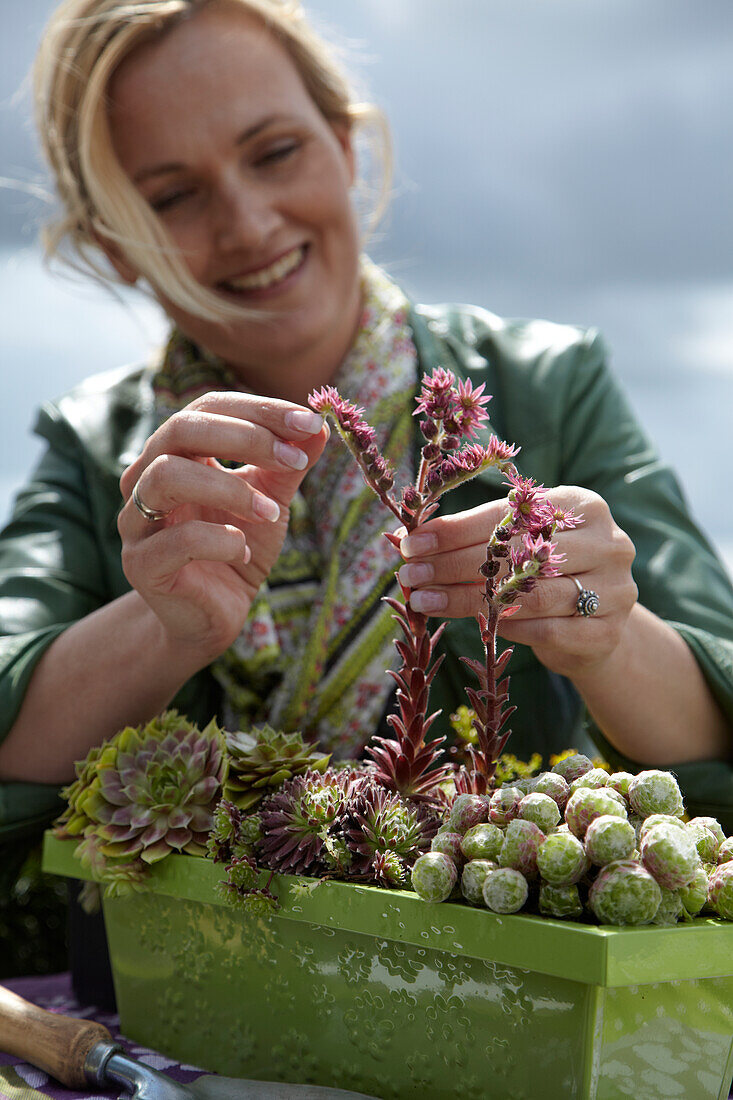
(20, 1081)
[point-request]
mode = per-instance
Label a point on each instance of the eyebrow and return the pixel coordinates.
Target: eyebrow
(178, 166)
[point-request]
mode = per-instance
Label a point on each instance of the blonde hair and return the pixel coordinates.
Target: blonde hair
(83, 45)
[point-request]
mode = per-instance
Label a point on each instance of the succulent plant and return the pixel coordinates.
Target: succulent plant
(473, 877)
(720, 890)
(706, 842)
(710, 823)
(297, 822)
(671, 910)
(376, 822)
(561, 861)
(433, 876)
(466, 811)
(594, 778)
(541, 809)
(233, 834)
(483, 841)
(725, 851)
(561, 902)
(504, 805)
(695, 894)
(573, 766)
(588, 803)
(522, 843)
(146, 792)
(619, 781)
(262, 759)
(505, 890)
(451, 845)
(555, 786)
(624, 893)
(655, 792)
(670, 855)
(609, 838)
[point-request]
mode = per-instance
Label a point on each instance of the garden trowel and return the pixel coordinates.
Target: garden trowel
(82, 1054)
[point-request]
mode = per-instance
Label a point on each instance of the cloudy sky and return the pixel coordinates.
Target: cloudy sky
(555, 158)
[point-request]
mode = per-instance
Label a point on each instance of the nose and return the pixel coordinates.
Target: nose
(245, 217)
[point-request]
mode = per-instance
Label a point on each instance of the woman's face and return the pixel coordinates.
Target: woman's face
(215, 128)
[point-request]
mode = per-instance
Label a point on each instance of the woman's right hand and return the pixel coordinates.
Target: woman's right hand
(199, 568)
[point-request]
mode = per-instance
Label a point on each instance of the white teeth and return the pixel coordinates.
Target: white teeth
(275, 273)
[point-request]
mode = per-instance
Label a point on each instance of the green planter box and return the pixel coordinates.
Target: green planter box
(376, 991)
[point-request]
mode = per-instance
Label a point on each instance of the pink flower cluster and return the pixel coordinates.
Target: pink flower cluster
(533, 520)
(451, 412)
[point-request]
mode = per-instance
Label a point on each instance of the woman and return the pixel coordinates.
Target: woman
(207, 148)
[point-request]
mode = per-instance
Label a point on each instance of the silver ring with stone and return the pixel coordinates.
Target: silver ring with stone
(587, 603)
(150, 514)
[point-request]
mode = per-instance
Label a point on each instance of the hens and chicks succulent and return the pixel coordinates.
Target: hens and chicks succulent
(622, 854)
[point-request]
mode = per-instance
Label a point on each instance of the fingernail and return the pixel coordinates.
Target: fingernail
(290, 456)
(266, 508)
(428, 602)
(400, 533)
(415, 545)
(304, 421)
(247, 555)
(417, 573)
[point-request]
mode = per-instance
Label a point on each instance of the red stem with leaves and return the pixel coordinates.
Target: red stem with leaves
(407, 763)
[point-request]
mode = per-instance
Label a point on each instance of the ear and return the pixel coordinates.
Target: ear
(343, 137)
(117, 258)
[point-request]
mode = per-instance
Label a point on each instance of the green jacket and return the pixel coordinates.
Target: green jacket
(552, 394)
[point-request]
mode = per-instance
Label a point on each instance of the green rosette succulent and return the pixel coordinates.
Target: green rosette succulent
(262, 759)
(385, 833)
(146, 792)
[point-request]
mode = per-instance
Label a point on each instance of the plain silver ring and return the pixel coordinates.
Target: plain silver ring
(587, 603)
(152, 515)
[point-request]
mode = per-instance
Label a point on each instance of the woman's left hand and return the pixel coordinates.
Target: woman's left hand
(442, 569)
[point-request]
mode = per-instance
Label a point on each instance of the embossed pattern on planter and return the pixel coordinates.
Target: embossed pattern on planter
(291, 1001)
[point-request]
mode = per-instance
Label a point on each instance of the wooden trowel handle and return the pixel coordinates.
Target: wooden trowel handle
(57, 1044)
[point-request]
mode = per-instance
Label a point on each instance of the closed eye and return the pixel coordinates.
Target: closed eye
(278, 153)
(170, 199)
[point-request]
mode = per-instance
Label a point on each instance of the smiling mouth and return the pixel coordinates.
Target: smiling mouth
(270, 276)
